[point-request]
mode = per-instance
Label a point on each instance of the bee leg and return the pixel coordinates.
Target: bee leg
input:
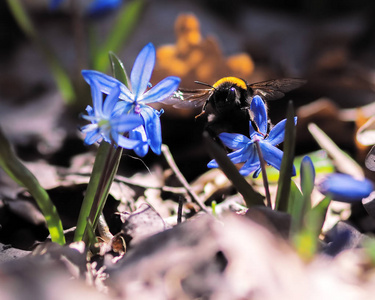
(203, 109)
(202, 113)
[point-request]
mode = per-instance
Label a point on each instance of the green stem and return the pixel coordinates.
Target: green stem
(92, 188)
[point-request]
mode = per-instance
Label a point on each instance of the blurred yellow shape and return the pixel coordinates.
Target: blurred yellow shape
(196, 58)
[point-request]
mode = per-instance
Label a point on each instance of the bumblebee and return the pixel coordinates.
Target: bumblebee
(229, 100)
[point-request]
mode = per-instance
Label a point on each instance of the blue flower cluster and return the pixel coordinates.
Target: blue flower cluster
(246, 151)
(94, 8)
(124, 118)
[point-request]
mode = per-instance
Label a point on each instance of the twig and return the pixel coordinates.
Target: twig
(179, 211)
(180, 177)
(128, 181)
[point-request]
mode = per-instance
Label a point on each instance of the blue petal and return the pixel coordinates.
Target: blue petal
(257, 172)
(102, 6)
(344, 188)
(110, 101)
(90, 110)
(89, 127)
(162, 90)
(251, 129)
(140, 135)
(241, 155)
(152, 127)
(126, 123)
(142, 70)
(212, 164)
(122, 107)
(249, 166)
(92, 137)
(259, 111)
(277, 133)
(127, 143)
(271, 154)
(97, 98)
(234, 140)
(107, 83)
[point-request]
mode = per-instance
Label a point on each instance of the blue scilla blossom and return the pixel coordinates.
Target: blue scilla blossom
(136, 98)
(54, 4)
(106, 123)
(98, 7)
(95, 7)
(345, 188)
(245, 147)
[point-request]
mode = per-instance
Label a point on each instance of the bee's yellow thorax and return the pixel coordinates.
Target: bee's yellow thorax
(237, 81)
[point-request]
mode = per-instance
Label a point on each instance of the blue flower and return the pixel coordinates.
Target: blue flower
(245, 147)
(54, 4)
(136, 98)
(96, 7)
(345, 188)
(106, 123)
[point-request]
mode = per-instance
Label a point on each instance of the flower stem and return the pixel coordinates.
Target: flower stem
(264, 174)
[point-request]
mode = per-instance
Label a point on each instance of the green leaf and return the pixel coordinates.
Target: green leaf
(286, 169)
(126, 21)
(19, 173)
(316, 216)
(60, 75)
(250, 196)
(307, 238)
(118, 69)
(295, 207)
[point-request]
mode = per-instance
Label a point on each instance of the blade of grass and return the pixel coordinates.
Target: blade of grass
(61, 77)
(250, 196)
(19, 173)
(124, 26)
(286, 170)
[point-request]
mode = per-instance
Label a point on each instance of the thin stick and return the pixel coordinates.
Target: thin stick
(264, 174)
(180, 177)
(179, 211)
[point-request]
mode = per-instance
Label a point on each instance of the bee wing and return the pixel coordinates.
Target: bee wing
(184, 98)
(275, 89)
